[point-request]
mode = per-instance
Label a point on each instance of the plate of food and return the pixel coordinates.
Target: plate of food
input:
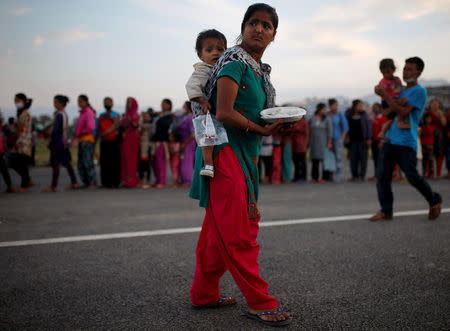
(289, 114)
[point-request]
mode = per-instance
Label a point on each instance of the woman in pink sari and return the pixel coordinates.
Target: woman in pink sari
(129, 148)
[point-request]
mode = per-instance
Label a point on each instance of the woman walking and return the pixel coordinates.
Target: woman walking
(321, 135)
(23, 144)
(85, 133)
(239, 87)
(129, 148)
(59, 145)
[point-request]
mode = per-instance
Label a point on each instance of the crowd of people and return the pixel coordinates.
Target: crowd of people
(137, 149)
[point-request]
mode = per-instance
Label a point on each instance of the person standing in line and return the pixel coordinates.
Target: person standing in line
(22, 149)
(340, 130)
(287, 163)
(401, 147)
(321, 137)
(129, 147)
(300, 142)
(3, 166)
(427, 136)
(59, 145)
(145, 131)
(230, 228)
(175, 157)
(439, 120)
(379, 119)
(265, 157)
(360, 134)
(277, 159)
(108, 127)
(160, 138)
(85, 135)
(187, 149)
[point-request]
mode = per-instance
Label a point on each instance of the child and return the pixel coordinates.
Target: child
(145, 127)
(175, 157)
(210, 46)
(392, 84)
(427, 133)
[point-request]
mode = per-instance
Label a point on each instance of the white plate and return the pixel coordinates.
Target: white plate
(289, 114)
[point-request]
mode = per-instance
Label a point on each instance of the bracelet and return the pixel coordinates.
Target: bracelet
(248, 126)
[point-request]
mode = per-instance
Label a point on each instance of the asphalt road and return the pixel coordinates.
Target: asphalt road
(352, 275)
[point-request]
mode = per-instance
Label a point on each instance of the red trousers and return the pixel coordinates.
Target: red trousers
(228, 239)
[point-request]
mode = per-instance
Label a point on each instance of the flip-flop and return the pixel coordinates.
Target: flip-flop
(219, 304)
(257, 317)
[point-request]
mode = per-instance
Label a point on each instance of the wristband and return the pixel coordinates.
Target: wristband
(248, 126)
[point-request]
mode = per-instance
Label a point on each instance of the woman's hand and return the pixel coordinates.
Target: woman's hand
(272, 128)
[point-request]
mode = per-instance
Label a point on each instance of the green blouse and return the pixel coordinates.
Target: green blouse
(250, 100)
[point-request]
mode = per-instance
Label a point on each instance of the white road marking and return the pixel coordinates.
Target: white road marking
(197, 229)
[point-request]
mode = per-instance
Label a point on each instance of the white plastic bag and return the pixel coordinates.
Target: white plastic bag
(209, 131)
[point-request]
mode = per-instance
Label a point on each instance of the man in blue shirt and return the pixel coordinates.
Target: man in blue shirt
(340, 129)
(401, 147)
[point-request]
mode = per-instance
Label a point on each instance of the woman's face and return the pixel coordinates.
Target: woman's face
(434, 105)
(82, 103)
(128, 103)
(18, 102)
(186, 109)
(258, 32)
(57, 105)
(360, 107)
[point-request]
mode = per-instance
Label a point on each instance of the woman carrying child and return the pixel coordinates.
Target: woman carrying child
(239, 88)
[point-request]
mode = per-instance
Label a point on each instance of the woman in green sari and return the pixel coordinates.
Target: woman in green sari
(238, 89)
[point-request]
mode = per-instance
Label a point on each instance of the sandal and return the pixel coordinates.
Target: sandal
(257, 317)
(223, 302)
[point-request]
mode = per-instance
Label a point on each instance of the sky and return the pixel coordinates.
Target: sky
(145, 48)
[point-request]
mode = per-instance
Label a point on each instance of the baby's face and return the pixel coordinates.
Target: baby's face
(388, 73)
(212, 49)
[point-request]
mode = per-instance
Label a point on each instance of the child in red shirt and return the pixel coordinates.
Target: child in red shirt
(392, 84)
(427, 133)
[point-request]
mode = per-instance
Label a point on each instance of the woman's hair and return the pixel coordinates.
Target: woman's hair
(255, 8)
(168, 101)
(188, 105)
(62, 99)
(27, 102)
(319, 107)
(85, 98)
(212, 33)
(387, 63)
